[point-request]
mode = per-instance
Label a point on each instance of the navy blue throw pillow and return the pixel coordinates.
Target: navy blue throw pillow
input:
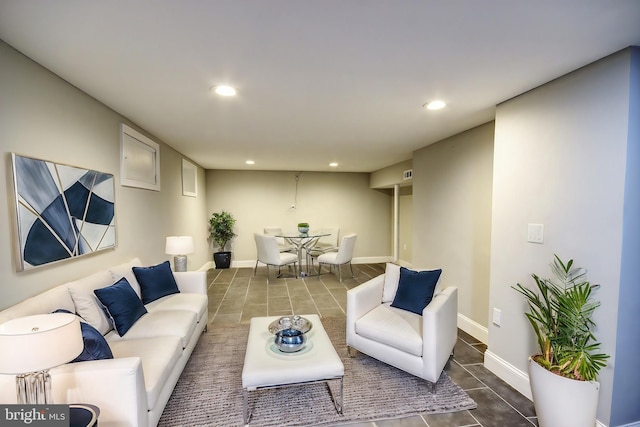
(156, 281)
(415, 289)
(122, 304)
(95, 346)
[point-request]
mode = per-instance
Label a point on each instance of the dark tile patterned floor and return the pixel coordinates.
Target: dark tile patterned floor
(235, 296)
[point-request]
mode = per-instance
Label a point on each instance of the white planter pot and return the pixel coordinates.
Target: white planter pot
(560, 401)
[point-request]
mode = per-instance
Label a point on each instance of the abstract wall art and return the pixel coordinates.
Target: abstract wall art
(62, 211)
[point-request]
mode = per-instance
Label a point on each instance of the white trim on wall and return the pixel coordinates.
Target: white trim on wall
(473, 328)
(508, 373)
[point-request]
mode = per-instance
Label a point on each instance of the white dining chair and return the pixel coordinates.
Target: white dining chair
(282, 244)
(343, 256)
(324, 244)
(269, 254)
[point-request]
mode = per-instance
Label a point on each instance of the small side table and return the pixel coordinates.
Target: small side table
(83, 415)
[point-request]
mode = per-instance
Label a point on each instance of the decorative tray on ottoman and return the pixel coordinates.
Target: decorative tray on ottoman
(290, 333)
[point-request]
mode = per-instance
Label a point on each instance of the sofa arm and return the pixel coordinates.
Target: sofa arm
(361, 300)
(193, 282)
(439, 331)
(116, 386)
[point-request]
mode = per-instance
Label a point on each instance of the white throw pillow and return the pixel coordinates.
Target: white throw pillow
(126, 270)
(392, 278)
(87, 304)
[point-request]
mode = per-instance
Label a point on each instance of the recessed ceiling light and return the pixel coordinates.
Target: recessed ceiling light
(224, 90)
(333, 165)
(250, 162)
(435, 105)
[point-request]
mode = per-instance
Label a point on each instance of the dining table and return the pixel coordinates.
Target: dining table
(302, 242)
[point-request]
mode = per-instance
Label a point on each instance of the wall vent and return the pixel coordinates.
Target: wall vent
(408, 174)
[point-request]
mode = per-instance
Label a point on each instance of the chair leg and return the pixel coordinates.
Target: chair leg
(339, 272)
(255, 269)
(351, 267)
(319, 269)
(267, 274)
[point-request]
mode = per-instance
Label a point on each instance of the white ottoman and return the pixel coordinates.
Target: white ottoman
(265, 368)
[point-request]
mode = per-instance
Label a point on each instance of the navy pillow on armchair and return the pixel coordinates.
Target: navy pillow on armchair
(156, 281)
(415, 289)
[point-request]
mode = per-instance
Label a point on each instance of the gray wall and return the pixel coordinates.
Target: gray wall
(452, 217)
(259, 199)
(561, 160)
(626, 392)
(44, 117)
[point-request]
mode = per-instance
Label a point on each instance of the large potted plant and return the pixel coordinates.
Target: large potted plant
(563, 375)
(221, 232)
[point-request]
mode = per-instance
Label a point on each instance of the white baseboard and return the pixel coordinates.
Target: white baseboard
(252, 262)
(508, 373)
(473, 328)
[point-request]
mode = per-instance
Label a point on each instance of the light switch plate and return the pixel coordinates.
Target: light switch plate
(535, 233)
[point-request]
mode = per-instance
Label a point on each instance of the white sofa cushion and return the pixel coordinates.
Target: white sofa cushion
(394, 327)
(46, 302)
(196, 303)
(87, 304)
(181, 324)
(391, 279)
(126, 270)
(159, 355)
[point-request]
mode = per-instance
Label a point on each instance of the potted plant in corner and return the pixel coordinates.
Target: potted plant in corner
(221, 232)
(563, 375)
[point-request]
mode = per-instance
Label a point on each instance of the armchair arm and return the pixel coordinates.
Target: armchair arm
(116, 386)
(194, 282)
(361, 300)
(439, 331)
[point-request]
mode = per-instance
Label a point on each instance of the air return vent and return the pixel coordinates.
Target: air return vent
(408, 174)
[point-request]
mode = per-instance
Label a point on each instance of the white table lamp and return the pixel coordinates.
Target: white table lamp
(32, 345)
(179, 247)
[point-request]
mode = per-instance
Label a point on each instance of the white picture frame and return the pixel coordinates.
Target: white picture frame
(189, 179)
(139, 160)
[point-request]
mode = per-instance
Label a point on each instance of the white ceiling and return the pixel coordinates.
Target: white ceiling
(319, 81)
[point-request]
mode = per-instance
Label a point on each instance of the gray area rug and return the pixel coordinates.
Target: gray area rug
(209, 392)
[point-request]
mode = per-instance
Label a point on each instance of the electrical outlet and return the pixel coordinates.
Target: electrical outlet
(497, 317)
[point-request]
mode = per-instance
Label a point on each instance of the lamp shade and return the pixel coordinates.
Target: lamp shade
(37, 343)
(179, 245)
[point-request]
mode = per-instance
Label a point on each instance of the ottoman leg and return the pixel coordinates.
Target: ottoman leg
(246, 414)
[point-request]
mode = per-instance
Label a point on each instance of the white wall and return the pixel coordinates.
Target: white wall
(259, 199)
(44, 117)
(452, 218)
(560, 160)
(405, 228)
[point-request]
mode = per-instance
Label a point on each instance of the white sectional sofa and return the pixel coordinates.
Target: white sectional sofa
(133, 388)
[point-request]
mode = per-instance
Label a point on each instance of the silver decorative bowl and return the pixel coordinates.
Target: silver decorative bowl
(290, 340)
(290, 333)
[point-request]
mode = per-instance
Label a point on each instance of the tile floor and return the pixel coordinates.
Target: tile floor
(235, 296)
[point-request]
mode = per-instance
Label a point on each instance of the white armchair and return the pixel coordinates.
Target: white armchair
(418, 344)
